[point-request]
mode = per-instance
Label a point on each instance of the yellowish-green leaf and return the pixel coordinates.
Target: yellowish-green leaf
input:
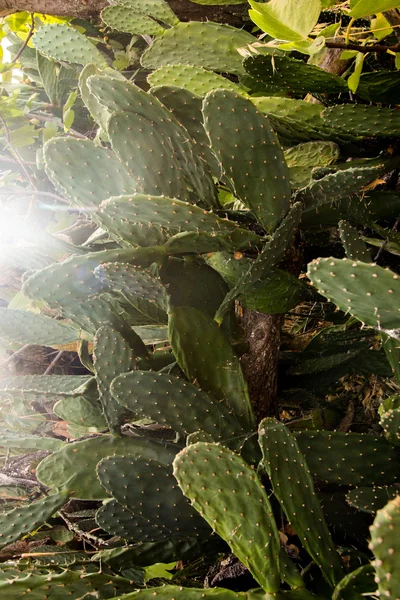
(354, 79)
(364, 8)
(329, 31)
(305, 47)
(380, 27)
(288, 20)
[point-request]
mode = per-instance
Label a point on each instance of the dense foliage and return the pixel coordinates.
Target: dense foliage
(168, 179)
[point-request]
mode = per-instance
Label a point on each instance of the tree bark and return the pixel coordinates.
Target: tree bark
(260, 363)
(86, 9)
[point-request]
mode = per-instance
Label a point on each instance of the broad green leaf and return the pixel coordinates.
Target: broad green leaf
(289, 20)
(380, 27)
(364, 8)
(354, 78)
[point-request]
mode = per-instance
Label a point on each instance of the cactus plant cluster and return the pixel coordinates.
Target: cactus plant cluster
(207, 195)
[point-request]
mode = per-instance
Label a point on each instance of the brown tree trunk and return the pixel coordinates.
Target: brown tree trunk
(260, 363)
(84, 9)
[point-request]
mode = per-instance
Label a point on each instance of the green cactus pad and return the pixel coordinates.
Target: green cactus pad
(385, 544)
(125, 97)
(99, 113)
(44, 386)
(119, 520)
(357, 584)
(172, 401)
(230, 497)
(293, 486)
(142, 284)
(291, 74)
(86, 173)
(277, 293)
(174, 592)
(30, 328)
(123, 18)
(392, 351)
(158, 9)
(55, 586)
(390, 422)
(371, 499)
(205, 355)
(107, 309)
(73, 280)
(148, 490)
(23, 520)
(349, 458)
(354, 246)
(186, 108)
(191, 242)
(250, 155)
(193, 79)
(209, 45)
(10, 439)
(271, 254)
(66, 44)
(112, 355)
(192, 282)
(302, 159)
(363, 120)
(123, 212)
(337, 186)
(81, 412)
(366, 291)
(139, 143)
(73, 467)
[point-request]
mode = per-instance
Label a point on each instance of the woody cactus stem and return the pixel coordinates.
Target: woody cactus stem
(260, 362)
(187, 11)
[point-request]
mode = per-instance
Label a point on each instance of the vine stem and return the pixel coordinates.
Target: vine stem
(26, 42)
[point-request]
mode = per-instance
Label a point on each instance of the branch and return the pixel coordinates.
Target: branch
(26, 42)
(87, 9)
(363, 49)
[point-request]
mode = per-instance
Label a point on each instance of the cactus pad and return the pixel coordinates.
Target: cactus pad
(86, 173)
(148, 490)
(385, 545)
(250, 155)
(158, 9)
(363, 120)
(193, 79)
(209, 45)
(230, 497)
(205, 355)
(66, 44)
(73, 467)
(271, 254)
(23, 520)
(122, 18)
(112, 355)
(30, 328)
(292, 74)
(366, 291)
(293, 486)
(371, 499)
(171, 401)
(354, 246)
(349, 458)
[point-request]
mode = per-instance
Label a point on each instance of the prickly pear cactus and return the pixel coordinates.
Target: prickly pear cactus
(384, 544)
